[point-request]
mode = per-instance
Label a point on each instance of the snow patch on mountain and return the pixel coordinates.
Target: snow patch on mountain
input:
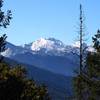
(77, 44)
(91, 49)
(7, 53)
(27, 46)
(12, 50)
(48, 44)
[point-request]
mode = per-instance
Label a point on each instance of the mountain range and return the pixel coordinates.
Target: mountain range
(48, 61)
(49, 54)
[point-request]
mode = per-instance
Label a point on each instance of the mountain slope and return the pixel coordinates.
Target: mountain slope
(49, 54)
(56, 64)
(59, 86)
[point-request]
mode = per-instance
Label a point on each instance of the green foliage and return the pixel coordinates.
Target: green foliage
(4, 18)
(93, 62)
(96, 41)
(14, 85)
(4, 22)
(90, 77)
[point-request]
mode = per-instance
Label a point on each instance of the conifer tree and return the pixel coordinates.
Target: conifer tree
(96, 41)
(78, 82)
(14, 85)
(87, 81)
(93, 69)
(4, 22)
(90, 77)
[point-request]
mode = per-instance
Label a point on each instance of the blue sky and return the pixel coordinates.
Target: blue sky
(33, 19)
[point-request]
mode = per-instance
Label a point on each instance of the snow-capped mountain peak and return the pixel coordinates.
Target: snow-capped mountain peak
(41, 43)
(47, 44)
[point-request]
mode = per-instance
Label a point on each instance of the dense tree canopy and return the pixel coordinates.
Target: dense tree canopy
(90, 77)
(15, 86)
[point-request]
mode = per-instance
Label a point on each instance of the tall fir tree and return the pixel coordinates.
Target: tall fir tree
(78, 84)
